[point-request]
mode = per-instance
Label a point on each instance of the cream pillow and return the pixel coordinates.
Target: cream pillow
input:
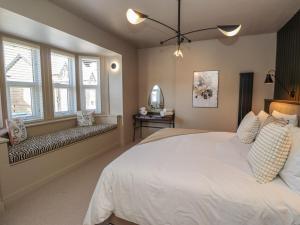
(291, 119)
(291, 170)
(248, 128)
(269, 152)
(262, 116)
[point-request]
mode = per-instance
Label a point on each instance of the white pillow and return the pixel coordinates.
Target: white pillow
(291, 170)
(269, 152)
(248, 128)
(291, 119)
(262, 116)
(85, 118)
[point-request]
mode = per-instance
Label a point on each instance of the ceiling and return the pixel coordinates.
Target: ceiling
(34, 31)
(256, 16)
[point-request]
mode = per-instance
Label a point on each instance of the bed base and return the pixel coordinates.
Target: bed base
(113, 220)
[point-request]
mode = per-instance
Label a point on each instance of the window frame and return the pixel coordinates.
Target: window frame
(83, 87)
(36, 86)
(71, 87)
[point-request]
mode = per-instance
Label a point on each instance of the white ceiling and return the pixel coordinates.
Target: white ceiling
(256, 16)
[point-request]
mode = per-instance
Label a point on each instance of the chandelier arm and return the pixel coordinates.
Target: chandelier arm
(164, 41)
(182, 35)
(194, 31)
(165, 25)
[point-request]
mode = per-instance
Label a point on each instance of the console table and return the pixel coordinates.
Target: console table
(139, 120)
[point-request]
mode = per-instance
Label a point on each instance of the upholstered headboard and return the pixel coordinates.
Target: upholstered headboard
(283, 106)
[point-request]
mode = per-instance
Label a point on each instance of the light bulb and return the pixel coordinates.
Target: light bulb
(178, 53)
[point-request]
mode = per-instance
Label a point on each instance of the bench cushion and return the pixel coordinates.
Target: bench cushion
(37, 145)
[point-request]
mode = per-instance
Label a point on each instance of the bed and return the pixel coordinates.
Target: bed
(200, 178)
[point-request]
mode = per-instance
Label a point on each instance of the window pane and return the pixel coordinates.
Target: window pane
(61, 99)
(23, 79)
(20, 103)
(90, 99)
(19, 62)
(89, 72)
(61, 67)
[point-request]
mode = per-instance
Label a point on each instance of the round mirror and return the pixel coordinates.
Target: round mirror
(156, 98)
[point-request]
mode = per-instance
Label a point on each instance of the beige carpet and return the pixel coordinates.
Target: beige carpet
(63, 201)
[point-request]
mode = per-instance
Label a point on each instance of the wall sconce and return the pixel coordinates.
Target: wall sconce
(269, 80)
(114, 66)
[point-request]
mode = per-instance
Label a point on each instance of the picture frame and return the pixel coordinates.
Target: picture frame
(205, 90)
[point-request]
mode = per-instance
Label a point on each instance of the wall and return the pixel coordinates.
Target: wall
(26, 176)
(288, 59)
(48, 13)
(229, 56)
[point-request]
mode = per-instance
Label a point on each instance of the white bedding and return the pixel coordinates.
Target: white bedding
(201, 179)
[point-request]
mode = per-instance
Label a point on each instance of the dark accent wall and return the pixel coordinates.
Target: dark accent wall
(288, 59)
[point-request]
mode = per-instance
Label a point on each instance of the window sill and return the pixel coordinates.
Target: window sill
(3, 131)
(56, 120)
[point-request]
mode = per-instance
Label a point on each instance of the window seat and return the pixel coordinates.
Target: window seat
(38, 145)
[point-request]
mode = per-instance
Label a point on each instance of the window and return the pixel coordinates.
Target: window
(63, 82)
(90, 84)
(23, 80)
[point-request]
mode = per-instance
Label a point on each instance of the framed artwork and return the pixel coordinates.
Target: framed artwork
(205, 89)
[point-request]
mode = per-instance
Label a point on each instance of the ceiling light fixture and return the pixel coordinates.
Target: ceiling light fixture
(136, 17)
(178, 52)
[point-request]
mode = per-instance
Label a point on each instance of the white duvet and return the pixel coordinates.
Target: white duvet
(201, 179)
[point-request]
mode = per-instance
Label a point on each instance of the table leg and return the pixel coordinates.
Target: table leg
(141, 131)
(134, 127)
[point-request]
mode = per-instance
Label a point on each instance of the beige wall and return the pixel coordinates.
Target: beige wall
(229, 56)
(47, 13)
(26, 176)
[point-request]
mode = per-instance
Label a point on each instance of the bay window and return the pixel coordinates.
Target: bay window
(23, 82)
(63, 83)
(90, 83)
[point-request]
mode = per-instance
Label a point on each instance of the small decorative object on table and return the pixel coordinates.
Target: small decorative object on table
(143, 111)
(166, 112)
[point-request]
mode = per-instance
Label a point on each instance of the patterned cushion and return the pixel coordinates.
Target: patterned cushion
(248, 128)
(37, 145)
(16, 131)
(85, 118)
(269, 152)
(272, 119)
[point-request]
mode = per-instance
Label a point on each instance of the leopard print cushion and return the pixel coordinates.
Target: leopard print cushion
(38, 145)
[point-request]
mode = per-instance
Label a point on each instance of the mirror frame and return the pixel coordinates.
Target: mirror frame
(162, 104)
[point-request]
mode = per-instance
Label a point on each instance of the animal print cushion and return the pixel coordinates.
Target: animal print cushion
(85, 118)
(38, 145)
(16, 131)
